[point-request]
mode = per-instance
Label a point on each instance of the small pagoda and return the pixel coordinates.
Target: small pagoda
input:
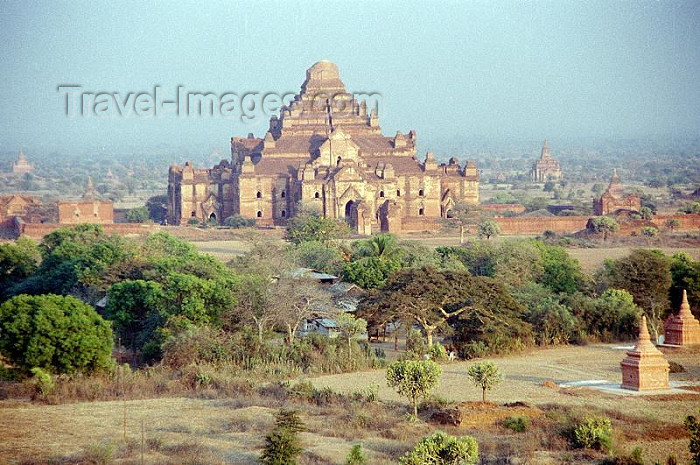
(644, 368)
(682, 329)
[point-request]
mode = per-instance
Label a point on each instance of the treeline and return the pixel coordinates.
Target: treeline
(166, 302)
(494, 297)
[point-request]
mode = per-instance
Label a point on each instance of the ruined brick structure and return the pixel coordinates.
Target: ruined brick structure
(21, 166)
(325, 149)
(17, 207)
(614, 199)
(645, 367)
(682, 329)
(90, 209)
(546, 168)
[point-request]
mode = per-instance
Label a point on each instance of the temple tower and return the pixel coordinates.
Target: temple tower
(682, 329)
(645, 367)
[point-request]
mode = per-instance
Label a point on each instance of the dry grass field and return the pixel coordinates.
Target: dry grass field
(201, 429)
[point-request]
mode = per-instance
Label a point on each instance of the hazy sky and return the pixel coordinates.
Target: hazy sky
(455, 69)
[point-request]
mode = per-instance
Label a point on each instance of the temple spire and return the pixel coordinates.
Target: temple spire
(545, 150)
(90, 193)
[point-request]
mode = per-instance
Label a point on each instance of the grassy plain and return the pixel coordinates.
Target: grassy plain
(205, 428)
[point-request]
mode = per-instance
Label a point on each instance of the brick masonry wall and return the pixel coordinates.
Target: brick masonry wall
(37, 231)
(534, 226)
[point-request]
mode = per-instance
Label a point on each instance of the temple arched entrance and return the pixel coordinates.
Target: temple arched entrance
(212, 217)
(350, 218)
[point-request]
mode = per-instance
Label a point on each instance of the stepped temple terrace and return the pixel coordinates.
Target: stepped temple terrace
(339, 162)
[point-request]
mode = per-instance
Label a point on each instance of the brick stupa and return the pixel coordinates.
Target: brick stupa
(644, 368)
(682, 329)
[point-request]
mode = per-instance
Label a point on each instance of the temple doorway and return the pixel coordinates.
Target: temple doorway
(349, 214)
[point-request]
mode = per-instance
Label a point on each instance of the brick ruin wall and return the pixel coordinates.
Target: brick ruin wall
(39, 230)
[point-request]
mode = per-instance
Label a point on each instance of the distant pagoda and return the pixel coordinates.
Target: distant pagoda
(21, 166)
(546, 168)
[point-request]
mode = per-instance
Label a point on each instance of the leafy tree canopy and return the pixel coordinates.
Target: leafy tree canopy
(55, 333)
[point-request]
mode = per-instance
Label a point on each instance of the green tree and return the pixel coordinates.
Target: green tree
(646, 275)
(685, 274)
(488, 229)
(413, 379)
(350, 327)
(603, 225)
(134, 308)
(18, 261)
(465, 215)
(157, 207)
(442, 449)
(560, 272)
(137, 215)
(548, 186)
(383, 246)
(485, 375)
(610, 317)
(311, 225)
(317, 256)
(282, 444)
(370, 272)
(693, 426)
(54, 333)
(424, 296)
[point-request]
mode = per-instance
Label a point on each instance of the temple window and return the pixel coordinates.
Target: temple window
(259, 195)
(194, 214)
(420, 212)
(283, 194)
(259, 214)
(420, 192)
(381, 193)
(317, 195)
(284, 213)
(398, 192)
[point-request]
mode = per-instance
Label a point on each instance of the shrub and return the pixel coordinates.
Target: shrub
(356, 457)
(635, 458)
(517, 424)
(43, 382)
(693, 427)
(238, 221)
(58, 334)
(594, 433)
(438, 352)
(101, 453)
(442, 449)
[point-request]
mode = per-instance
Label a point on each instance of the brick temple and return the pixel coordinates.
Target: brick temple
(682, 329)
(645, 367)
(614, 199)
(338, 161)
